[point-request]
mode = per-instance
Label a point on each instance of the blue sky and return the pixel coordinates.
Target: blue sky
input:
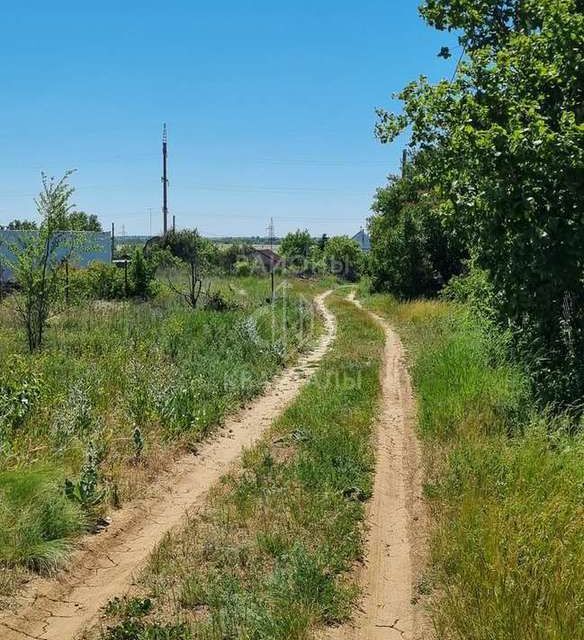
(270, 108)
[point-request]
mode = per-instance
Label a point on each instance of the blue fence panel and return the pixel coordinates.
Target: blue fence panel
(91, 246)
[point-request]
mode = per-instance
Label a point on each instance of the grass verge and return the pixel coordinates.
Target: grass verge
(505, 484)
(117, 392)
(269, 556)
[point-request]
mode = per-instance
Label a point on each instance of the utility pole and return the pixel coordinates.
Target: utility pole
(113, 241)
(67, 281)
(404, 162)
(164, 181)
(173, 223)
(271, 237)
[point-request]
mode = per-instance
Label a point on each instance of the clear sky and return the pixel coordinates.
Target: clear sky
(270, 107)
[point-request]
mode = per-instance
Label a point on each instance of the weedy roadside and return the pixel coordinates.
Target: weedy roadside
(270, 555)
(504, 483)
(119, 391)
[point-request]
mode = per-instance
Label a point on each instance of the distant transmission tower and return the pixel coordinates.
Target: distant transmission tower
(164, 181)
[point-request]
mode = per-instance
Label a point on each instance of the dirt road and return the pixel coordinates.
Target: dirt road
(395, 520)
(63, 608)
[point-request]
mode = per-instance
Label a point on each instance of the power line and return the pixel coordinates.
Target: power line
(226, 188)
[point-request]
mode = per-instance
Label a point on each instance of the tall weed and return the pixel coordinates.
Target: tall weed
(269, 556)
(505, 483)
(132, 378)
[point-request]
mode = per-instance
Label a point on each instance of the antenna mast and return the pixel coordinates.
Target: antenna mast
(164, 181)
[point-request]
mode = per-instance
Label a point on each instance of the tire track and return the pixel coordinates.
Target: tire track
(396, 514)
(63, 608)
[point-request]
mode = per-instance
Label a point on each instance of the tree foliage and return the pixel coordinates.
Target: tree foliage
(196, 254)
(37, 258)
(21, 225)
(81, 221)
(297, 244)
(505, 147)
(343, 257)
(70, 220)
(412, 252)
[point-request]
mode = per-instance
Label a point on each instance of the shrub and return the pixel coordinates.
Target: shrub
(103, 281)
(98, 281)
(242, 269)
(217, 301)
(141, 276)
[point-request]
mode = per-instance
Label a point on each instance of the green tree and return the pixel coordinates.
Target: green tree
(228, 256)
(506, 142)
(343, 257)
(196, 254)
(71, 220)
(38, 256)
(22, 225)
(412, 252)
(296, 245)
(81, 221)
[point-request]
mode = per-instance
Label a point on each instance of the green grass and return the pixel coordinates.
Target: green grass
(36, 520)
(117, 391)
(505, 484)
(270, 556)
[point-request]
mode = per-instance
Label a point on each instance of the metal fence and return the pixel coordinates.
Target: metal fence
(93, 247)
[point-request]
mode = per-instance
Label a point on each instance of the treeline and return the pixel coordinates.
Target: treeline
(490, 208)
(339, 256)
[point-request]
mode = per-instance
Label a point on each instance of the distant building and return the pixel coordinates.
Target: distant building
(267, 258)
(93, 246)
(363, 239)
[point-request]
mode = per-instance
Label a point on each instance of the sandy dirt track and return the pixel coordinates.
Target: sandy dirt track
(395, 546)
(63, 608)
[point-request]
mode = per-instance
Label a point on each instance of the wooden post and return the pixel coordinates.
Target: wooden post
(67, 282)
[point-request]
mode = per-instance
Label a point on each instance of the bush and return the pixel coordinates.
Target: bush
(217, 301)
(141, 276)
(474, 289)
(226, 257)
(412, 253)
(99, 281)
(242, 269)
(104, 281)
